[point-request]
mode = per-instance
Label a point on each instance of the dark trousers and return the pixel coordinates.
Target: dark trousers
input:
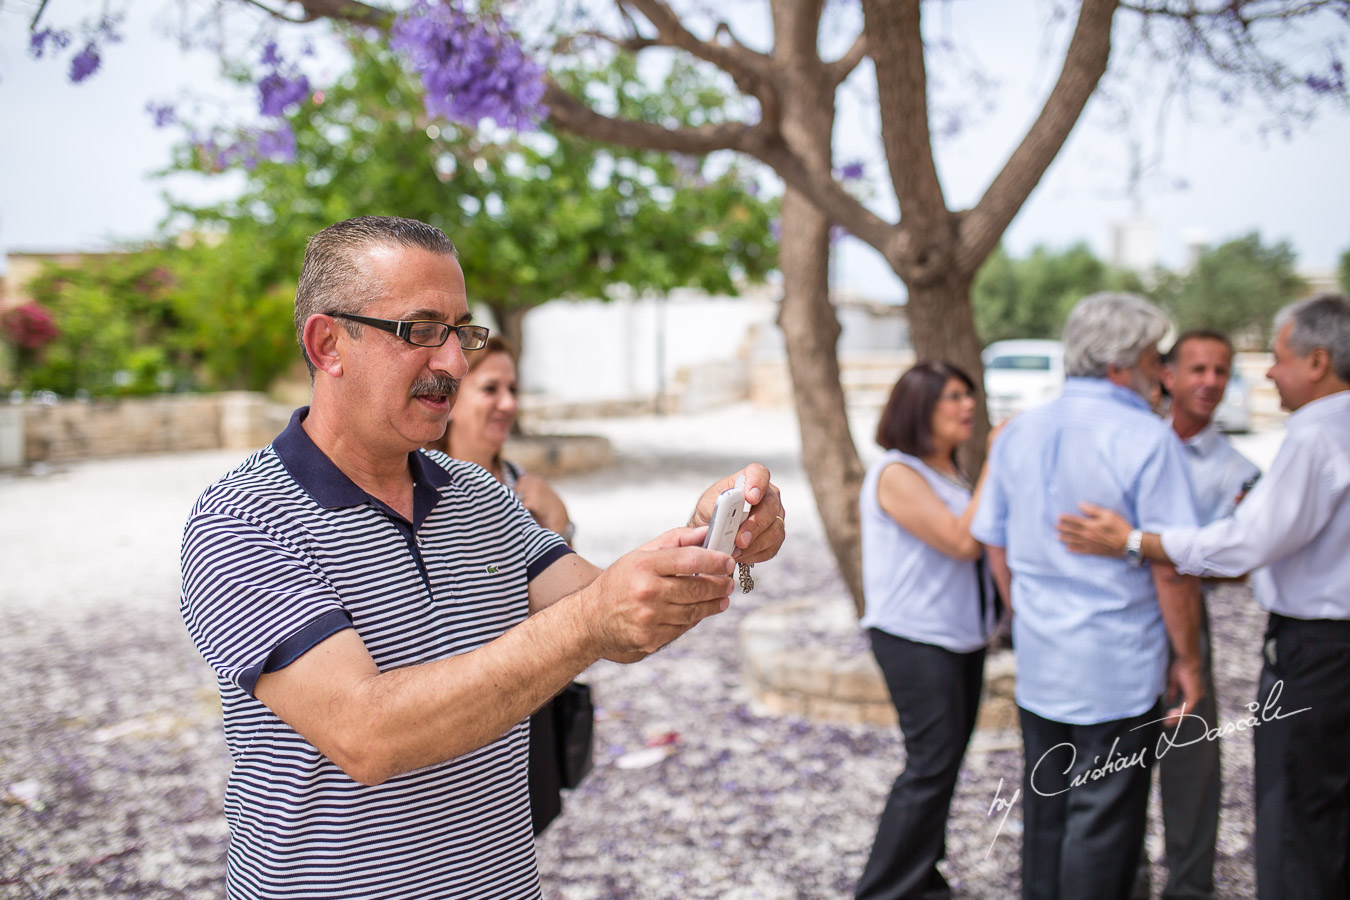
(1085, 805)
(1303, 761)
(936, 693)
(1191, 786)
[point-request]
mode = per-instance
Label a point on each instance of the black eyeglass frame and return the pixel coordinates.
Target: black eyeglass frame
(403, 330)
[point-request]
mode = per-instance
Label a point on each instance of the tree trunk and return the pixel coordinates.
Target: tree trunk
(811, 332)
(807, 318)
(510, 324)
(942, 326)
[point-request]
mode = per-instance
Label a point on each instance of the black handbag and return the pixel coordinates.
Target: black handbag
(574, 725)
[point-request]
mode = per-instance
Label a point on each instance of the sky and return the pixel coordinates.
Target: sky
(77, 161)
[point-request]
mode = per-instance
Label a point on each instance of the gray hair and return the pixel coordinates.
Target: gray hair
(1110, 329)
(1320, 321)
(334, 277)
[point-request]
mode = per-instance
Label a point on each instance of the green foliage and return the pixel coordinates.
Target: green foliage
(161, 318)
(111, 312)
(1345, 272)
(535, 217)
(1031, 297)
(1236, 287)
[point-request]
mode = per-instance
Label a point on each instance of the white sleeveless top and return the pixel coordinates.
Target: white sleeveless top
(912, 590)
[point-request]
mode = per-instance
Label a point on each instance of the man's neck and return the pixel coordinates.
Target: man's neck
(1187, 426)
(380, 473)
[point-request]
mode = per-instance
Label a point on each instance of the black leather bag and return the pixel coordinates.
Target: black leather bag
(574, 724)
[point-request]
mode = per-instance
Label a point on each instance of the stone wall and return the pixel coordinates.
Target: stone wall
(73, 430)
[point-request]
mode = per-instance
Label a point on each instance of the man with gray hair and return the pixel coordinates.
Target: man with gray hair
(1091, 635)
(1292, 532)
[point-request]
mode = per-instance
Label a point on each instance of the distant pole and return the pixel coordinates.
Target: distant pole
(660, 354)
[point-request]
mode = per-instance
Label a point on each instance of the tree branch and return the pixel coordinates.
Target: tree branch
(760, 141)
(353, 11)
(1084, 64)
(843, 67)
(893, 30)
(746, 66)
(275, 13)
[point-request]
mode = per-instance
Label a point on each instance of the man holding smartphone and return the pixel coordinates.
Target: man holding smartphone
(382, 621)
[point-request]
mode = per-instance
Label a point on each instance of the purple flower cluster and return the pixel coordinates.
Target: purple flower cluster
(163, 113)
(282, 86)
(87, 61)
(852, 171)
(471, 69)
(1332, 82)
(37, 42)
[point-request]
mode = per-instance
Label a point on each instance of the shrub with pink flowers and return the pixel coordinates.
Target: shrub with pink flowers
(28, 328)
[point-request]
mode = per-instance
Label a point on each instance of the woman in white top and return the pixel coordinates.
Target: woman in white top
(480, 422)
(930, 608)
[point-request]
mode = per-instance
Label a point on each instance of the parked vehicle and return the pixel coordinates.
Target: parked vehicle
(1021, 374)
(1234, 412)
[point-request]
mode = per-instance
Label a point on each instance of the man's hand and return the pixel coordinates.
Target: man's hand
(762, 534)
(1100, 532)
(1185, 689)
(653, 595)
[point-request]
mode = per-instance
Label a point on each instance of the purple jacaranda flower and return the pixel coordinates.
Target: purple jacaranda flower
(84, 63)
(277, 144)
(282, 86)
(37, 42)
(471, 69)
(851, 171)
(163, 113)
(276, 92)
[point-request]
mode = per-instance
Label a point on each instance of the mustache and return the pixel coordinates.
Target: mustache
(435, 386)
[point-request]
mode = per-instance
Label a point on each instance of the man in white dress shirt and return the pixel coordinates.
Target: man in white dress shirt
(1292, 533)
(1195, 374)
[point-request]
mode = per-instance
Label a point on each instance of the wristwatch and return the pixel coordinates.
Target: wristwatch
(1133, 547)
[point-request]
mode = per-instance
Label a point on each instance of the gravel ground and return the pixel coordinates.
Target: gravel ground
(113, 766)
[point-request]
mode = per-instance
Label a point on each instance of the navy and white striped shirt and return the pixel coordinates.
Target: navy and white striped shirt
(282, 553)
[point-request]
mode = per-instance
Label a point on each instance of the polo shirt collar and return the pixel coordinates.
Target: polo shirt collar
(1100, 388)
(332, 489)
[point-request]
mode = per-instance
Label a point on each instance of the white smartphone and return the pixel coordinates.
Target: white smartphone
(728, 516)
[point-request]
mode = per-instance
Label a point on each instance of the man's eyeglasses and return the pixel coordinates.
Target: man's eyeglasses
(425, 334)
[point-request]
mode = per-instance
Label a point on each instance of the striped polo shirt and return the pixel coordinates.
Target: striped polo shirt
(284, 552)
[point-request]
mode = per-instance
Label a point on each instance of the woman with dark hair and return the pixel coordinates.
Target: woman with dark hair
(929, 613)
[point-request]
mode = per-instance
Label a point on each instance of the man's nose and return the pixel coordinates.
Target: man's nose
(450, 359)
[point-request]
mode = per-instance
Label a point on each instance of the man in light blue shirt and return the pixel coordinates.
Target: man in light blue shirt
(1196, 374)
(1091, 634)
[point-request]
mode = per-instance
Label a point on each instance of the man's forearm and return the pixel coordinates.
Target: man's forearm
(1180, 603)
(1151, 548)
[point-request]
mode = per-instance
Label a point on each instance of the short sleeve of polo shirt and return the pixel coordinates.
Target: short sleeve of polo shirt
(251, 601)
(1163, 497)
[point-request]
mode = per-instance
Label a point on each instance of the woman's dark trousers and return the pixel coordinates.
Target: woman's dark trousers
(936, 693)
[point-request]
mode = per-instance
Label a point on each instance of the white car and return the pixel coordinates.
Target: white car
(1021, 374)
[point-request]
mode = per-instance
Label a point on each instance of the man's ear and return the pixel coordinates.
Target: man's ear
(320, 340)
(1318, 363)
(1169, 377)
